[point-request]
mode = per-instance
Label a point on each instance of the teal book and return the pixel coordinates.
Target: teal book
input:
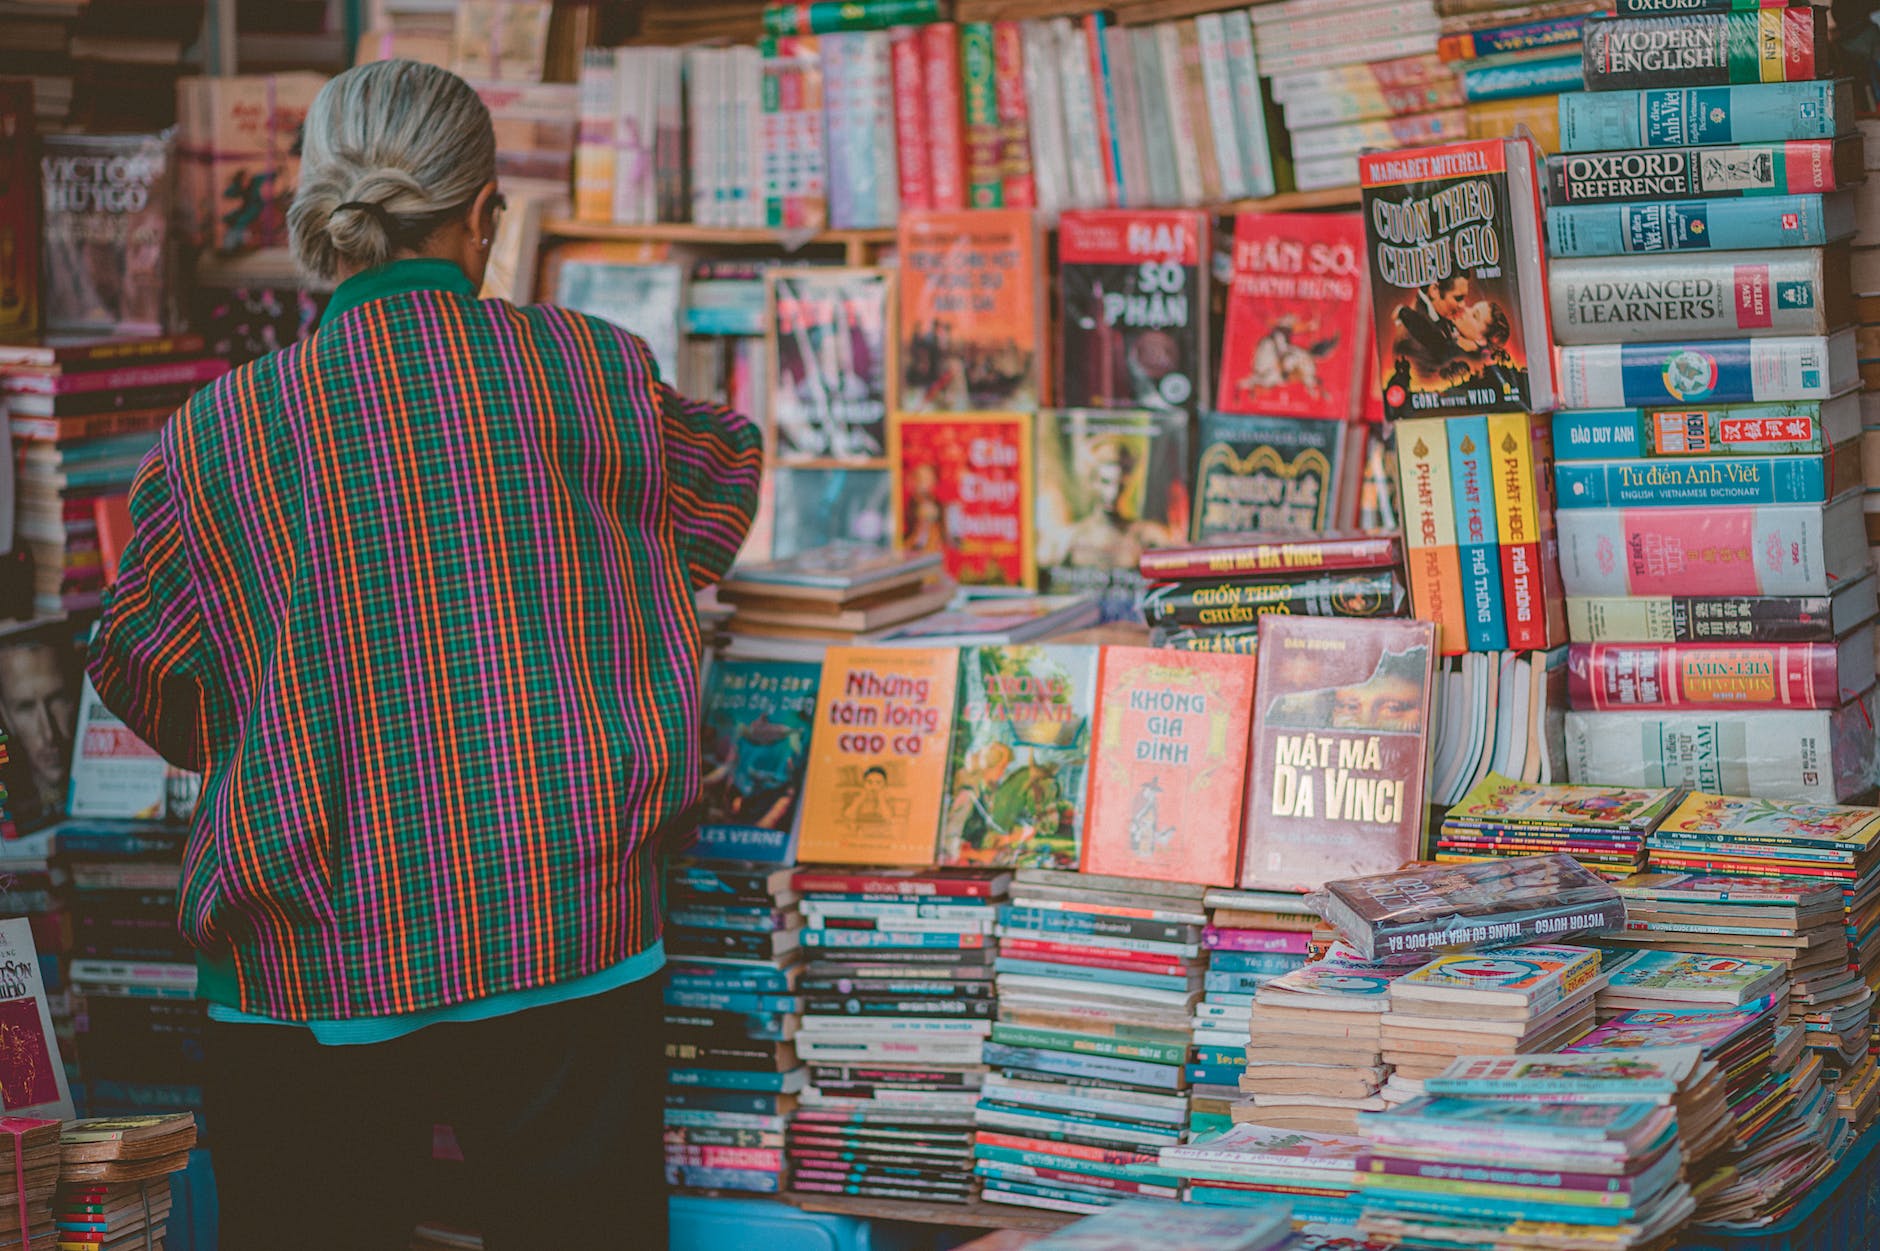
(1680, 117)
(1478, 545)
(1517, 80)
(1784, 221)
(1707, 481)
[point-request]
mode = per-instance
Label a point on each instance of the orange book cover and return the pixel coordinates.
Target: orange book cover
(113, 516)
(962, 487)
(884, 720)
(971, 312)
(1169, 765)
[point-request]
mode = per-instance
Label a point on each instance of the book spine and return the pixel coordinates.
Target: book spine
(1518, 526)
(821, 882)
(1083, 1044)
(1708, 551)
(883, 155)
(1218, 88)
(1541, 76)
(819, 17)
(1736, 430)
(1787, 221)
(1288, 557)
(1512, 37)
(1795, 755)
(1652, 8)
(1608, 299)
(985, 182)
(1604, 676)
(1190, 188)
(912, 171)
(1249, 126)
(1703, 49)
(1435, 571)
(1705, 481)
(1413, 71)
(1018, 183)
(1740, 371)
(1700, 619)
(1799, 167)
(1477, 543)
(1676, 117)
(1095, 28)
(1379, 593)
(1047, 138)
(940, 66)
(1351, 138)
(1605, 916)
(594, 141)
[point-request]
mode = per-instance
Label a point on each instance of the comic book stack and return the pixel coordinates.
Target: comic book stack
(113, 1179)
(1249, 1165)
(898, 999)
(1211, 598)
(733, 939)
(1701, 297)
(83, 413)
(1315, 1044)
(1098, 980)
(1513, 61)
(1509, 1000)
(1603, 827)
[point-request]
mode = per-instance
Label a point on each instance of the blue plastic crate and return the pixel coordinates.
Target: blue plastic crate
(711, 1223)
(1843, 1214)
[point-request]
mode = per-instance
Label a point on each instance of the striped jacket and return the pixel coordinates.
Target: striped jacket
(415, 595)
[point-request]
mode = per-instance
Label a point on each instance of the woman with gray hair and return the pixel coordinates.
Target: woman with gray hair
(415, 597)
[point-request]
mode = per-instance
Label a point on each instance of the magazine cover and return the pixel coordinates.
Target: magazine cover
(756, 718)
(108, 253)
(32, 1074)
(41, 676)
(829, 362)
(1341, 750)
(971, 312)
(1277, 475)
(1170, 761)
(115, 776)
(1111, 485)
(1132, 309)
(644, 298)
(1021, 744)
(962, 488)
(1298, 334)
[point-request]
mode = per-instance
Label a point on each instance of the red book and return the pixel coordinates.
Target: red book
(119, 378)
(1604, 676)
(1072, 1150)
(113, 514)
(93, 351)
(1298, 331)
(946, 122)
(901, 882)
(1553, 590)
(1008, 67)
(1171, 746)
(1093, 24)
(910, 119)
(1341, 750)
(1091, 957)
(1278, 556)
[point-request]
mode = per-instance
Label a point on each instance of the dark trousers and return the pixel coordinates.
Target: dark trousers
(557, 1110)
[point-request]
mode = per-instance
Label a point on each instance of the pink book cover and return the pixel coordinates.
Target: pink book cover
(1341, 753)
(946, 118)
(1170, 761)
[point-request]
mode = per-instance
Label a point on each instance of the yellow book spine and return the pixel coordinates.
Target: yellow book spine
(1429, 508)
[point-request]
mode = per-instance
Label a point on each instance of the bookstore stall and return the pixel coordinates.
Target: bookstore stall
(1305, 672)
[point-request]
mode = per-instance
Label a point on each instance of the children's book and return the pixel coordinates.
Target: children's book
(1535, 978)
(1694, 977)
(1728, 819)
(1706, 1028)
(1624, 1075)
(1168, 765)
(1502, 801)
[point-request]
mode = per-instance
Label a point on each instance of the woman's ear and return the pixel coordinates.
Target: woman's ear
(483, 213)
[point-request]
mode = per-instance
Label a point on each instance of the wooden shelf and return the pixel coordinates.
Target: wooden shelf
(975, 1215)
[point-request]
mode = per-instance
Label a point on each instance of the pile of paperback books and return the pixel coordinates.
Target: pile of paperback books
(897, 1004)
(114, 1179)
(1251, 1165)
(1603, 827)
(1503, 1001)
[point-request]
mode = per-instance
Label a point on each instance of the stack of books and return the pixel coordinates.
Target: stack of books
(84, 411)
(1829, 982)
(731, 1011)
(1514, 60)
(1691, 423)
(1252, 937)
(1181, 1229)
(799, 607)
(1251, 1165)
(1603, 827)
(1499, 1001)
(1212, 598)
(1568, 1174)
(1315, 1050)
(1648, 979)
(133, 978)
(29, 1152)
(898, 999)
(113, 1179)
(1098, 980)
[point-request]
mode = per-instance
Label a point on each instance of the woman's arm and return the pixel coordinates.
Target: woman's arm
(148, 655)
(714, 458)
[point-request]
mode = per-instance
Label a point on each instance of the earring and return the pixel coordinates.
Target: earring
(486, 243)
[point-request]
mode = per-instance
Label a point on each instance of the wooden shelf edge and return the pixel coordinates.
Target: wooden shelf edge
(978, 1214)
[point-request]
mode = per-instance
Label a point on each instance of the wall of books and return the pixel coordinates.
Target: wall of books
(1307, 664)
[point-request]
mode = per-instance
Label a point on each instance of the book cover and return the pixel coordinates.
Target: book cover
(1529, 898)
(1015, 785)
(754, 749)
(1659, 1072)
(19, 212)
(108, 255)
(115, 776)
(1111, 486)
(1625, 299)
(1478, 544)
(1704, 49)
(1720, 618)
(830, 362)
(1267, 475)
(1706, 481)
(1502, 802)
(1676, 117)
(1298, 321)
(1718, 371)
(1536, 976)
(1659, 1028)
(645, 299)
(1132, 290)
(1169, 763)
(1688, 974)
(1341, 750)
(1740, 549)
(872, 794)
(1261, 556)
(1731, 819)
(237, 153)
(1457, 325)
(1530, 578)
(813, 507)
(1795, 167)
(32, 1074)
(1431, 557)
(1774, 429)
(970, 311)
(962, 489)
(1365, 593)
(1785, 221)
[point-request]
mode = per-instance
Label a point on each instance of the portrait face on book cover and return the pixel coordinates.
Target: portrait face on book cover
(1388, 696)
(39, 688)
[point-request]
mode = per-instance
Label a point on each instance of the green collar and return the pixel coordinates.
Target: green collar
(417, 273)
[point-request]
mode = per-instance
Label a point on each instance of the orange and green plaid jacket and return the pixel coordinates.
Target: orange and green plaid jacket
(415, 595)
